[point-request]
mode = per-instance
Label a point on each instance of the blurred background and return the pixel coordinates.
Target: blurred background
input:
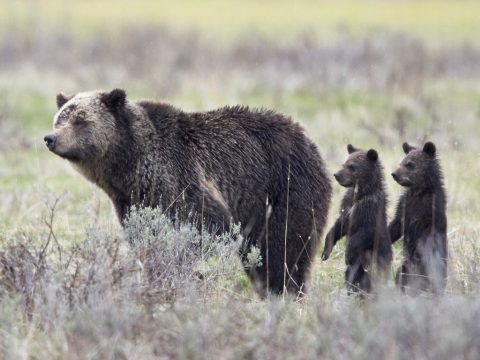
(372, 73)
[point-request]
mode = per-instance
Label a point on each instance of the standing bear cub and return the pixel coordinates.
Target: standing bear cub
(420, 218)
(363, 220)
(231, 165)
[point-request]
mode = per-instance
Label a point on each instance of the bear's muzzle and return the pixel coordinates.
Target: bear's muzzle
(50, 141)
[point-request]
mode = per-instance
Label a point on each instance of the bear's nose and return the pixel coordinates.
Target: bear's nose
(395, 176)
(50, 141)
(336, 175)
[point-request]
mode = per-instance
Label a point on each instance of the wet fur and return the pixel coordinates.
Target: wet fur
(223, 164)
(363, 221)
(421, 220)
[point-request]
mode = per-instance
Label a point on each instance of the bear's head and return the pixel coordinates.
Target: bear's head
(360, 169)
(417, 166)
(84, 128)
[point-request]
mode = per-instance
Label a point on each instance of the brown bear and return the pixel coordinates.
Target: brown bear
(421, 220)
(230, 165)
(363, 221)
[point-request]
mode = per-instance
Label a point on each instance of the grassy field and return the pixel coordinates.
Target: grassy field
(371, 73)
(436, 20)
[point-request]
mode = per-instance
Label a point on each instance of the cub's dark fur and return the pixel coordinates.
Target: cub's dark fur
(421, 220)
(363, 220)
(234, 164)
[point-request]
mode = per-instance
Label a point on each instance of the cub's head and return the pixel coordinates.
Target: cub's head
(85, 125)
(361, 168)
(417, 166)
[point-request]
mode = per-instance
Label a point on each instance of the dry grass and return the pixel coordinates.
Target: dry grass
(76, 286)
(165, 296)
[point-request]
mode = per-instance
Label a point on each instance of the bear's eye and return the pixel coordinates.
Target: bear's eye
(410, 165)
(351, 167)
(79, 118)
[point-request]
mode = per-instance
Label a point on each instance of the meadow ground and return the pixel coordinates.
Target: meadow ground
(369, 73)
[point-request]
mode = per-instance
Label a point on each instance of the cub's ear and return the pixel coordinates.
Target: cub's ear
(429, 149)
(115, 99)
(372, 155)
(62, 99)
(407, 148)
(351, 148)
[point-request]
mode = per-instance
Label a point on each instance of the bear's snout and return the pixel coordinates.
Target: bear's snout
(395, 176)
(341, 179)
(50, 141)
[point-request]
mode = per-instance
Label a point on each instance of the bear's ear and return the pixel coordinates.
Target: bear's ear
(407, 148)
(115, 99)
(62, 99)
(372, 155)
(351, 148)
(429, 149)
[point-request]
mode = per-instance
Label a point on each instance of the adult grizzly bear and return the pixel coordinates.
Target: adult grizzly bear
(230, 165)
(363, 220)
(421, 220)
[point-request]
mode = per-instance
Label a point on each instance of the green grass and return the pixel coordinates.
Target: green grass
(222, 317)
(332, 119)
(436, 20)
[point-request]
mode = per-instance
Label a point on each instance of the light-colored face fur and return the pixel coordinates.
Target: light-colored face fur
(83, 127)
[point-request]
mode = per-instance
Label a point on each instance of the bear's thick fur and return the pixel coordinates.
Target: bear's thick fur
(421, 220)
(363, 221)
(233, 164)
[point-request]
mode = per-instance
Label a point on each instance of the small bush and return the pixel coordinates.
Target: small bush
(165, 291)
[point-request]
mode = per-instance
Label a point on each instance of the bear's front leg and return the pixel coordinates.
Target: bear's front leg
(335, 233)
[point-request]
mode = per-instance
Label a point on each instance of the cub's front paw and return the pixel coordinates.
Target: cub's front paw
(326, 253)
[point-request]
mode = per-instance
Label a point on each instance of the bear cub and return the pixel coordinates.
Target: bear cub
(363, 221)
(421, 220)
